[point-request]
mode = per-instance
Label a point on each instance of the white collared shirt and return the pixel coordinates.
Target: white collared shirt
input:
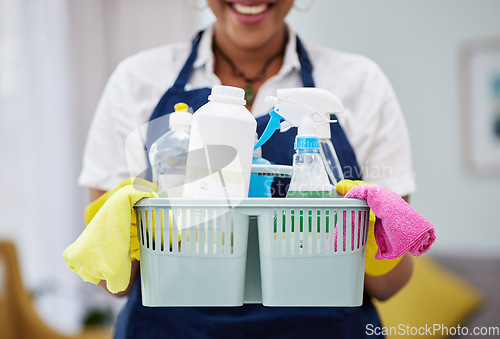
(372, 121)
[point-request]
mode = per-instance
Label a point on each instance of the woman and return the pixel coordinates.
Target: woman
(251, 47)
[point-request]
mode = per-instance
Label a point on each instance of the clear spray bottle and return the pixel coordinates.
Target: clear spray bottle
(326, 104)
(309, 177)
(319, 104)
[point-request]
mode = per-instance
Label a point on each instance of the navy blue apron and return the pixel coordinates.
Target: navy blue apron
(278, 150)
(249, 320)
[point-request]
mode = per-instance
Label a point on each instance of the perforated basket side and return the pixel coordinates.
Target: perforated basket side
(313, 256)
(187, 231)
(313, 231)
(192, 256)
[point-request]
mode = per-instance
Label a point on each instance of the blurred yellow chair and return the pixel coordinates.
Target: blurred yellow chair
(435, 296)
(18, 317)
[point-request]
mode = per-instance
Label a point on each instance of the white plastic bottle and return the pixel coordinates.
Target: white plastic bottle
(168, 154)
(221, 147)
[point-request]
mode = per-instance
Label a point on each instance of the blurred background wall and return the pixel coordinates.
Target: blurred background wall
(55, 57)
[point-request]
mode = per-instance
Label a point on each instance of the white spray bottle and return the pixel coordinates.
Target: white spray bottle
(325, 103)
(221, 146)
(317, 103)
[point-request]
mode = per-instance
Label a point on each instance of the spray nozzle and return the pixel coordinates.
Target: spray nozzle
(294, 113)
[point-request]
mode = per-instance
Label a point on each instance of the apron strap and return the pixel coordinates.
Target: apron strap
(306, 67)
(185, 73)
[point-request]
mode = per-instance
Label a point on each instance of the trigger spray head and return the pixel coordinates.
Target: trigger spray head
(294, 113)
(289, 110)
(321, 101)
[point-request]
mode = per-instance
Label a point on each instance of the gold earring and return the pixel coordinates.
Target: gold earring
(197, 7)
(304, 8)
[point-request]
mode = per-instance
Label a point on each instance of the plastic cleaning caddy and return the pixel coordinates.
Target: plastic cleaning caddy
(231, 252)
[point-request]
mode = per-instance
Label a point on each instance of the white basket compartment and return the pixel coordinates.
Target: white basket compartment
(313, 256)
(192, 256)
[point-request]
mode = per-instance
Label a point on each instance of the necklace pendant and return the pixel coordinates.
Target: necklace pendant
(249, 95)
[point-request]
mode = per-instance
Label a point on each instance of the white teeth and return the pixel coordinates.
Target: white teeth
(250, 10)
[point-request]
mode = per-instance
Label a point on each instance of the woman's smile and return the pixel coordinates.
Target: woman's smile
(250, 10)
(250, 24)
(248, 13)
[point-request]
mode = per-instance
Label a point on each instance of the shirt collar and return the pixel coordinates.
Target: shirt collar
(205, 55)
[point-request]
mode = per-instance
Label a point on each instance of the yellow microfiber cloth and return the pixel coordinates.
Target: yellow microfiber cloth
(373, 266)
(92, 209)
(105, 248)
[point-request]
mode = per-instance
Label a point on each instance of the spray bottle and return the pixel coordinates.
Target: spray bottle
(309, 178)
(325, 103)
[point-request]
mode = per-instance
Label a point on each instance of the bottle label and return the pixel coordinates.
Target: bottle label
(170, 185)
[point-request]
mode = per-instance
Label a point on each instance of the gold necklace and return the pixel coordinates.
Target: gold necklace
(249, 93)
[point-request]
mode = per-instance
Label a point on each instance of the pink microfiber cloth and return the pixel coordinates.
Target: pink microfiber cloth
(398, 228)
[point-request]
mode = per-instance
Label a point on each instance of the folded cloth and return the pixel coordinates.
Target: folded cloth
(92, 208)
(104, 250)
(373, 266)
(398, 228)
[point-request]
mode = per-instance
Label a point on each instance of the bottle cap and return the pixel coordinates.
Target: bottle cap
(181, 107)
(181, 118)
(228, 94)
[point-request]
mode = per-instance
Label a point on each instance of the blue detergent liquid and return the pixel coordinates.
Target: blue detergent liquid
(260, 186)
